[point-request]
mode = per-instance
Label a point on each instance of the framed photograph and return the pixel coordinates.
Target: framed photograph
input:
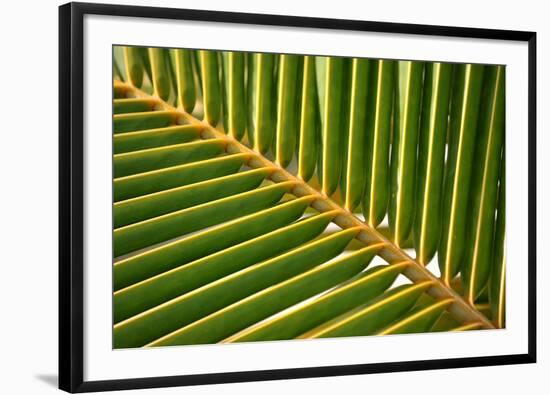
(256, 197)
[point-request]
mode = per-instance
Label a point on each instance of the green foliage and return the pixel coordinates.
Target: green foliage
(223, 231)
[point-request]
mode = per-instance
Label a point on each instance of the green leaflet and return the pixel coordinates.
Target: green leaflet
(146, 233)
(345, 297)
(261, 101)
(420, 320)
(183, 198)
(483, 194)
(175, 176)
(256, 307)
(170, 316)
(134, 65)
(408, 95)
(464, 116)
(157, 158)
(234, 93)
(185, 80)
(117, 74)
(467, 327)
(333, 122)
(147, 264)
(144, 207)
(198, 71)
(372, 317)
(497, 284)
(376, 194)
(354, 170)
(119, 63)
(144, 54)
(211, 89)
(160, 71)
(125, 106)
(168, 285)
(444, 323)
(132, 122)
(309, 122)
(152, 138)
(171, 65)
(431, 160)
(287, 99)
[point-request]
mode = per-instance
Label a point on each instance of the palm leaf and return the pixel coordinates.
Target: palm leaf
(247, 232)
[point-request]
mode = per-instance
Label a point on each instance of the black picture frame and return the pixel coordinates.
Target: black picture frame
(71, 224)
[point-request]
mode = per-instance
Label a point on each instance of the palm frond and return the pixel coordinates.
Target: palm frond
(246, 229)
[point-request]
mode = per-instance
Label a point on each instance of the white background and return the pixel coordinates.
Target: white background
(28, 161)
